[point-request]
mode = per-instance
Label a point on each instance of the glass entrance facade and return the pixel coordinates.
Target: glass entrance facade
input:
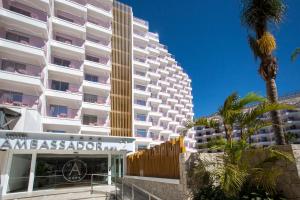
(56, 171)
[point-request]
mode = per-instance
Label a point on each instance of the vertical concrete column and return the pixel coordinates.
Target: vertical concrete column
(6, 173)
(109, 169)
(120, 156)
(124, 164)
(32, 170)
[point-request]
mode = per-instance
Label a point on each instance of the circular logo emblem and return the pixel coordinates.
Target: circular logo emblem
(74, 170)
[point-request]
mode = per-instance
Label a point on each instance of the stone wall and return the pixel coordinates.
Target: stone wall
(289, 181)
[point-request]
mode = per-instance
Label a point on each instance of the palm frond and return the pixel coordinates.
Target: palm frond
(265, 178)
(295, 54)
(257, 14)
(231, 178)
(250, 98)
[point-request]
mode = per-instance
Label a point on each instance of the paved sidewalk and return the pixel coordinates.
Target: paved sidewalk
(82, 193)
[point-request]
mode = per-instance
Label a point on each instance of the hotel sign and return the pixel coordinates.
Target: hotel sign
(22, 142)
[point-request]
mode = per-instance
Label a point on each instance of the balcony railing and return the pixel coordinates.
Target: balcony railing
(70, 18)
(63, 87)
(20, 68)
(74, 64)
(68, 39)
(140, 21)
(18, 99)
(64, 112)
(22, 38)
(95, 99)
(103, 24)
(98, 59)
(100, 5)
(98, 122)
(100, 41)
(140, 60)
(17, 7)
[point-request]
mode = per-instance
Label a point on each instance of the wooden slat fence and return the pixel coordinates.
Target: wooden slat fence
(161, 161)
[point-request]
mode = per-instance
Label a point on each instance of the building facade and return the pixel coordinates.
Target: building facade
(82, 83)
(265, 136)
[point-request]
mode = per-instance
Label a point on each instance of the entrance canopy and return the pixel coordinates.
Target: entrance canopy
(46, 141)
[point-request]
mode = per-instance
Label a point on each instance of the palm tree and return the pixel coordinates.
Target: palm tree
(258, 15)
(295, 54)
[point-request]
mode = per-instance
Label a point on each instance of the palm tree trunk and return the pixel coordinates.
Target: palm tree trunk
(275, 115)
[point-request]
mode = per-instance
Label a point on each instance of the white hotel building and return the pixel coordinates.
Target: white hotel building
(82, 82)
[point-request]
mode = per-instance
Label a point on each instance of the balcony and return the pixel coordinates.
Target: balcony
(34, 22)
(96, 83)
(140, 50)
(63, 90)
(26, 47)
(61, 115)
(139, 23)
(141, 63)
(70, 47)
(140, 90)
(99, 126)
(71, 7)
(99, 10)
(68, 27)
(98, 46)
(140, 38)
(141, 77)
(18, 99)
(96, 27)
(99, 63)
(94, 102)
(68, 67)
(11, 71)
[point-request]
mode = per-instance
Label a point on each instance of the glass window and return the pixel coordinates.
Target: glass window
(92, 58)
(65, 18)
(62, 62)
(89, 120)
(63, 39)
(141, 133)
(142, 147)
(140, 87)
(140, 102)
(12, 66)
(141, 117)
(16, 37)
(90, 98)
(56, 131)
(19, 10)
(53, 171)
(58, 85)
(57, 110)
(90, 77)
(19, 173)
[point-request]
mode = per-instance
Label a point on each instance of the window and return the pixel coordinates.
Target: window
(142, 147)
(63, 39)
(140, 87)
(92, 58)
(140, 102)
(11, 66)
(140, 117)
(90, 98)
(21, 11)
(58, 111)
(58, 85)
(65, 18)
(62, 62)
(17, 38)
(90, 77)
(56, 131)
(141, 133)
(140, 73)
(89, 120)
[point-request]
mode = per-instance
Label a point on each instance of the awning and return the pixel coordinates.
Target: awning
(8, 118)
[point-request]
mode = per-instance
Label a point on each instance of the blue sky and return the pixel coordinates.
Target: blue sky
(208, 40)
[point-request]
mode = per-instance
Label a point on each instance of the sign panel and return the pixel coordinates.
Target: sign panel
(22, 142)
